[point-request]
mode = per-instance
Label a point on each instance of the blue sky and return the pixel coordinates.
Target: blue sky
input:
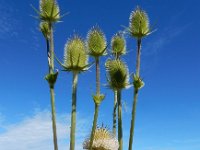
(168, 114)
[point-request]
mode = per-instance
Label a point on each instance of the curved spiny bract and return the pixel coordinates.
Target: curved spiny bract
(139, 23)
(75, 55)
(118, 45)
(49, 11)
(96, 42)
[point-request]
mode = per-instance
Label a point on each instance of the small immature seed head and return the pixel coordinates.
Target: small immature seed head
(49, 11)
(118, 45)
(118, 75)
(44, 28)
(96, 42)
(75, 56)
(139, 23)
(103, 140)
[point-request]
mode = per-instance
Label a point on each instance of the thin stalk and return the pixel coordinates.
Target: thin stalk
(51, 49)
(96, 105)
(115, 113)
(97, 76)
(94, 125)
(135, 96)
(139, 42)
(51, 70)
(53, 112)
(120, 131)
(48, 53)
(73, 113)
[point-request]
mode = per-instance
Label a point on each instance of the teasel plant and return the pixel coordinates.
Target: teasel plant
(96, 46)
(138, 28)
(118, 79)
(49, 14)
(75, 61)
(118, 48)
(103, 140)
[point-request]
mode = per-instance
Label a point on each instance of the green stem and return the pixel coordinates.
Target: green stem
(115, 113)
(51, 70)
(139, 41)
(94, 125)
(96, 105)
(48, 53)
(135, 96)
(73, 113)
(120, 131)
(53, 112)
(133, 119)
(51, 49)
(97, 76)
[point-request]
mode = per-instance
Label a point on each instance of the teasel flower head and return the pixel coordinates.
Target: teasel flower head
(118, 74)
(139, 23)
(103, 140)
(96, 42)
(49, 11)
(44, 28)
(118, 45)
(75, 55)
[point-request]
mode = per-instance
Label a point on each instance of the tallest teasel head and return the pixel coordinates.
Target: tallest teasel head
(49, 11)
(139, 23)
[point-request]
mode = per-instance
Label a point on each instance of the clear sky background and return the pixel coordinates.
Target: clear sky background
(168, 112)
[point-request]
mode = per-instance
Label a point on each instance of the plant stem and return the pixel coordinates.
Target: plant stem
(48, 53)
(51, 49)
(53, 112)
(115, 113)
(97, 76)
(73, 113)
(120, 131)
(51, 70)
(96, 105)
(135, 96)
(139, 41)
(94, 125)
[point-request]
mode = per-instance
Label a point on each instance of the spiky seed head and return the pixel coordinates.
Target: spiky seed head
(75, 55)
(139, 23)
(118, 75)
(44, 28)
(96, 42)
(103, 140)
(49, 11)
(118, 44)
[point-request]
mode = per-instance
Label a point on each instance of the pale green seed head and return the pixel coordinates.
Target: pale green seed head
(49, 11)
(44, 28)
(118, 45)
(75, 55)
(96, 42)
(118, 75)
(139, 23)
(103, 140)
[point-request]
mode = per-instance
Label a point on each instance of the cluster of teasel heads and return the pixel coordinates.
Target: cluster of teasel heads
(76, 53)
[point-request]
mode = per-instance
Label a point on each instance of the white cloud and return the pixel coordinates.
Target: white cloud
(35, 133)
